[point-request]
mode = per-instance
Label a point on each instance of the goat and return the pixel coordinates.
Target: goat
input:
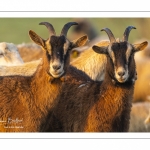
(9, 55)
(99, 106)
(26, 100)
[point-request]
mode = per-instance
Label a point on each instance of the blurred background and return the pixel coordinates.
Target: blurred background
(15, 30)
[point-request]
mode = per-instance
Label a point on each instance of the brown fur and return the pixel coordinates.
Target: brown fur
(94, 111)
(26, 100)
(30, 52)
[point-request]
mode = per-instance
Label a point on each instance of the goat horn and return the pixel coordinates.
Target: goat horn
(110, 35)
(66, 28)
(49, 27)
(126, 33)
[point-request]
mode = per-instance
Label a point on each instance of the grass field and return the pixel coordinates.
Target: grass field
(15, 30)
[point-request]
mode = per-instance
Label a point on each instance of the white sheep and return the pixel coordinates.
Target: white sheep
(9, 55)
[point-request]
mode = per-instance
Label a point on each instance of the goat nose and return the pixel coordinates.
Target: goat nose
(56, 67)
(121, 73)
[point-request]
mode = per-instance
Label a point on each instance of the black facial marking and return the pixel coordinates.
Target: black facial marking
(57, 44)
(119, 50)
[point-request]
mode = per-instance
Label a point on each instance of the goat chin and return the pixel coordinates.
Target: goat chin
(57, 75)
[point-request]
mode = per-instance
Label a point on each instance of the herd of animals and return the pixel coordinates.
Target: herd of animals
(106, 88)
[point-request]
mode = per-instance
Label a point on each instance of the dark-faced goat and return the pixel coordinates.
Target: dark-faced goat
(26, 100)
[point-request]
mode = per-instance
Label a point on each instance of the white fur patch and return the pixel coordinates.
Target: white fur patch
(9, 55)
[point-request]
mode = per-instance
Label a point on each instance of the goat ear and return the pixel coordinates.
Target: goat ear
(140, 46)
(36, 38)
(100, 50)
(80, 42)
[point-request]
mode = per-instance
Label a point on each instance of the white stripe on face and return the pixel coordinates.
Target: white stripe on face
(111, 54)
(121, 72)
(66, 46)
(48, 47)
(128, 52)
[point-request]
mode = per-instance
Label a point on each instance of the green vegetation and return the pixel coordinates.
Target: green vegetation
(15, 30)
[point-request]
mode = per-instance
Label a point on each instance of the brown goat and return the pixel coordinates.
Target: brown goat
(99, 106)
(26, 100)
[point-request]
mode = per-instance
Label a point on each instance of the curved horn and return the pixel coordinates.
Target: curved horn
(66, 28)
(110, 35)
(126, 33)
(49, 27)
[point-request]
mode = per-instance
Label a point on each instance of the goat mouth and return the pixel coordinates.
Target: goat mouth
(121, 80)
(57, 75)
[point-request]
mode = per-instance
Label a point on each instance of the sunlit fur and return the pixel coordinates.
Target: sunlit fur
(29, 98)
(29, 51)
(91, 63)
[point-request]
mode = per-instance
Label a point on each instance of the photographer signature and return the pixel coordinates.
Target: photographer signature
(11, 120)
